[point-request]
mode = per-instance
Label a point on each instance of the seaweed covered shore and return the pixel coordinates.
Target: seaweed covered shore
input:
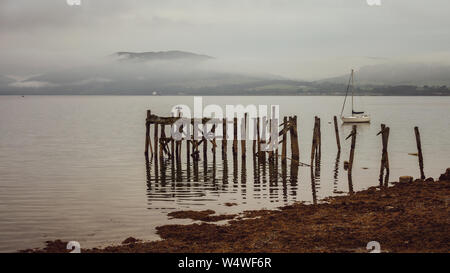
(407, 217)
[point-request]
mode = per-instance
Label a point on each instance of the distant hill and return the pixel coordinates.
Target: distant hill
(4, 80)
(398, 74)
(161, 55)
(185, 73)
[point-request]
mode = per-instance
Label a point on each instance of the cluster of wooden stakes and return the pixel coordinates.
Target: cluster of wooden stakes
(170, 147)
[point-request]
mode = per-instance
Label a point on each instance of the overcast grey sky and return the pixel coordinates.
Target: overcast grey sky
(304, 39)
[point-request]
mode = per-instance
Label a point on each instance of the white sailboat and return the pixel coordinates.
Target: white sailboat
(356, 116)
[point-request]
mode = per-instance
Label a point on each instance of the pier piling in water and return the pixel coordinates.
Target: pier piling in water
(235, 148)
(384, 156)
(336, 130)
(352, 156)
(419, 150)
(147, 134)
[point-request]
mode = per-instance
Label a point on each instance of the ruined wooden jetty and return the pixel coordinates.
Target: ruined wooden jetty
(186, 130)
(197, 132)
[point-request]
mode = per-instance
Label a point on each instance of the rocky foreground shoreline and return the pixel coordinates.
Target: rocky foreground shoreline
(410, 216)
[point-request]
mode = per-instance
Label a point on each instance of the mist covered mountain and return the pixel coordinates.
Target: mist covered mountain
(161, 55)
(128, 73)
(398, 74)
(185, 73)
(4, 80)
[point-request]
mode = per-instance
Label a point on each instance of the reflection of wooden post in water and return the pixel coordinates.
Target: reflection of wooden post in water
(243, 135)
(156, 168)
(172, 143)
(224, 172)
(352, 155)
(195, 163)
(148, 172)
(243, 178)
(419, 149)
(162, 138)
(294, 176)
(336, 130)
(235, 137)
(235, 171)
(313, 187)
(147, 134)
(224, 138)
(336, 170)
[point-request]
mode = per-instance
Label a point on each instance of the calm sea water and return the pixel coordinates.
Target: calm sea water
(72, 167)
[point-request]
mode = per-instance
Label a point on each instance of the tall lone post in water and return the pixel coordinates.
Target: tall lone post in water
(319, 138)
(419, 149)
(336, 130)
(147, 134)
(352, 156)
(384, 155)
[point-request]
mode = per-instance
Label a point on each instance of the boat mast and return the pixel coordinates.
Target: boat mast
(346, 92)
(352, 92)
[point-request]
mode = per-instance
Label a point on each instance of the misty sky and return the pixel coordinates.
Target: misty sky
(294, 38)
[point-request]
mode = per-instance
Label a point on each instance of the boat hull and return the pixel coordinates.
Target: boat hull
(356, 119)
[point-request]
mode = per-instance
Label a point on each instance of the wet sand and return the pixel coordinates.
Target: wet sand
(407, 217)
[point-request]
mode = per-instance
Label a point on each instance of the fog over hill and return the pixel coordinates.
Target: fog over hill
(161, 55)
(186, 73)
(418, 74)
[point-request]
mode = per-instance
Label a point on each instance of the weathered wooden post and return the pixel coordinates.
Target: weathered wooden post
(243, 136)
(384, 155)
(352, 155)
(336, 130)
(316, 136)
(235, 148)
(156, 141)
(188, 142)
(319, 138)
(314, 143)
(254, 137)
(224, 139)
(419, 149)
(258, 136)
(205, 143)
(294, 139)
(147, 134)
(386, 164)
(179, 142)
(213, 130)
(283, 147)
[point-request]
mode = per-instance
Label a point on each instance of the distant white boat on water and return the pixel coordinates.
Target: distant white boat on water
(356, 116)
